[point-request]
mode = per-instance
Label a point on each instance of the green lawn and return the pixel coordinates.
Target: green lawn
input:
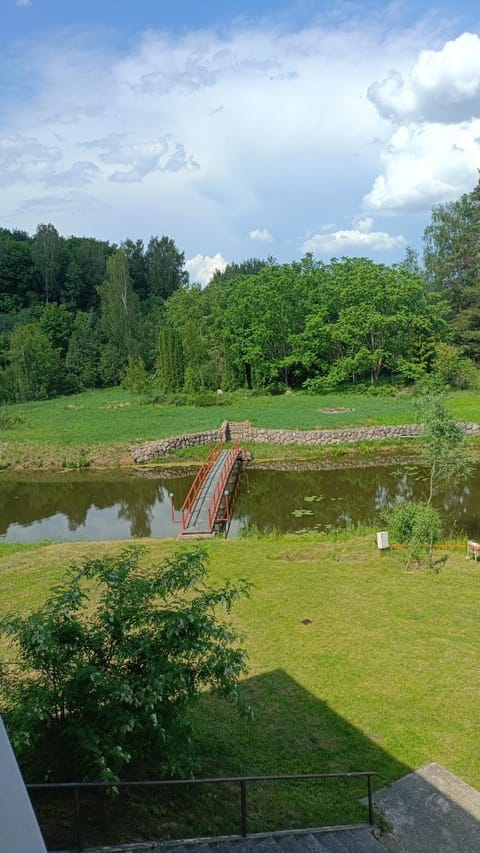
(354, 664)
(99, 425)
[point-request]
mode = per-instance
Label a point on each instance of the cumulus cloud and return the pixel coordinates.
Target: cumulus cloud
(261, 234)
(442, 86)
(426, 164)
(359, 238)
(433, 153)
(192, 134)
(202, 267)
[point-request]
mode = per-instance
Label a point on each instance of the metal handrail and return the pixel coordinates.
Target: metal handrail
(216, 498)
(189, 502)
(242, 781)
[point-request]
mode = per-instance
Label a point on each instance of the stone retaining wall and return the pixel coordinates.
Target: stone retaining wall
(245, 432)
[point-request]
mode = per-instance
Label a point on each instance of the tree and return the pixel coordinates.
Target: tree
(47, 255)
(444, 445)
(452, 263)
(18, 278)
(83, 353)
(136, 379)
(450, 368)
(170, 362)
(34, 364)
(58, 323)
(417, 524)
(165, 268)
(110, 665)
(86, 264)
(137, 265)
(120, 316)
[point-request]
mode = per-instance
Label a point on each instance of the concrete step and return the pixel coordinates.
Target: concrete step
(344, 841)
(431, 809)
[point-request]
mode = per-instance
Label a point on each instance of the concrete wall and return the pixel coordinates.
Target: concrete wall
(19, 832)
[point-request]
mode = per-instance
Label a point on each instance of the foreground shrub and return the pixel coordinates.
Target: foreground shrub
(110, 665)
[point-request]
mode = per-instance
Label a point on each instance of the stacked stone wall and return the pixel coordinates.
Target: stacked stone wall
(244, 432)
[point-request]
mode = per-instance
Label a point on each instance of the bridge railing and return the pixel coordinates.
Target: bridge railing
(189, 502)
(222, 481)
(242, 781)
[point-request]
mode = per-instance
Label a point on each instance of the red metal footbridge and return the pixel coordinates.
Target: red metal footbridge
(208, 503)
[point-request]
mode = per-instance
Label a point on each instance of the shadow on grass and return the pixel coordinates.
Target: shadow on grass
(290, 731)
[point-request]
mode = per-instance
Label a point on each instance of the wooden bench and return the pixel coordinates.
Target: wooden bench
(473, 548)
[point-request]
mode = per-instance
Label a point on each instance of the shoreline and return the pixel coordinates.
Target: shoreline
(17, 459)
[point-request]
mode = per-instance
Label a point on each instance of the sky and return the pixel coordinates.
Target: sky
(240, 129)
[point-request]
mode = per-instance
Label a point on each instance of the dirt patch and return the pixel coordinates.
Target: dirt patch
(339, 410)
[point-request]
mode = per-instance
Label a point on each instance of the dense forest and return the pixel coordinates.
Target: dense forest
(78, 313)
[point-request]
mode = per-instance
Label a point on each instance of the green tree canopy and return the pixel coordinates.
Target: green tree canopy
(110, 665)
(452, 264)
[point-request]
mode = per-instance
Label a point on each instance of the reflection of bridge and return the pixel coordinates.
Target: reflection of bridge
(209, 503)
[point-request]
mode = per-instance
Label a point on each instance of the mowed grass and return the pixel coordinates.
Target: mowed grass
(99, 425)
(355, 663)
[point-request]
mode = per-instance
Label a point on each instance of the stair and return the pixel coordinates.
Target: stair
(338, 841)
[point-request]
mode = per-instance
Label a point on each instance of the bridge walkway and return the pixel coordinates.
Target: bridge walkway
(207, 496)
(199, 521)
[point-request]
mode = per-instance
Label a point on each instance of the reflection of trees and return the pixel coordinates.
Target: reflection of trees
(137, 507)
(266, 498)
(25, 502)
(350, 495)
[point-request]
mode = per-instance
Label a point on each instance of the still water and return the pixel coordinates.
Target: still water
(98, 506)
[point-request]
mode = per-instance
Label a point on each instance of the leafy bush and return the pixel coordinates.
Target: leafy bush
(451, 369)
(418, 526)
(9, 420)
(204, 399)
(135, 378)
(412, 521)
(110, 664)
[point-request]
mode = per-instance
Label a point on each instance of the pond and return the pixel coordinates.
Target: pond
(92, 505)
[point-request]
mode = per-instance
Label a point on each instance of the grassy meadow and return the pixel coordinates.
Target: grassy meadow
(355, 663)
(96, 427)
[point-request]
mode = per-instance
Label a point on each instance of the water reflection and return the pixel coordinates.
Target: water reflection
(99, 506)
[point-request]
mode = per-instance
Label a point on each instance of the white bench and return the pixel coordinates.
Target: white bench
(473, 548)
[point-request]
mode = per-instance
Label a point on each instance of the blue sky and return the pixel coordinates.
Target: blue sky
(238, 128)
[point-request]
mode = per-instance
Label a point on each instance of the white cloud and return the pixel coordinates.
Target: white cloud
(442, 86)
(70, 202)
(24, 2)
(359, 238)
(26, 160)
(433, 153)
(261, 234)
(363, 224)
(426, 164)
(141, 158)
(194, 136)
(202, 267)
(80, 173)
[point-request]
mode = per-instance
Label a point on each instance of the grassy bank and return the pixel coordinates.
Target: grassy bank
(95, 428)
(354, 663)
